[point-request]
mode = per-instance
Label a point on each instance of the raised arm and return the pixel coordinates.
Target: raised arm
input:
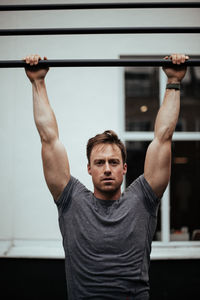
(157, 169)
(54, 156)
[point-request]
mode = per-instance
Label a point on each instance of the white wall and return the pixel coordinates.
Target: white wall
(85, 100)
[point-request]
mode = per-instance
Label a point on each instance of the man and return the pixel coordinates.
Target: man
(107, 235)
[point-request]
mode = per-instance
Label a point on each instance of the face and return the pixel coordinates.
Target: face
(107, 170)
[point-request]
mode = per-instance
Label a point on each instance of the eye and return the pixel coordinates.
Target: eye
(114, 162)
(99, 162)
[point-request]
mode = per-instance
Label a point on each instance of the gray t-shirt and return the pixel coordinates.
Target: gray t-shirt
(107, 243)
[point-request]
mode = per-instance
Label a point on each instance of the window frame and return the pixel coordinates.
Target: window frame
(164, 249)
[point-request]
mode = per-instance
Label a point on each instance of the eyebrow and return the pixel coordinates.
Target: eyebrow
(103, 159)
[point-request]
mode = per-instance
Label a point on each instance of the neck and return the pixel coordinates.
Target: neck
(108, 195)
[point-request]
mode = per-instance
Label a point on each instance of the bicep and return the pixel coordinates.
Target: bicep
(55, 166)
(157, 169)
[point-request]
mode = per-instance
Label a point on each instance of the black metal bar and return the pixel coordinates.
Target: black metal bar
(98, 30)
(79, 6)
(96, 63)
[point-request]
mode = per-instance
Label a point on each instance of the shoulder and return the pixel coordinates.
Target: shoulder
(74, 190)
(137, 185)
(143, 192)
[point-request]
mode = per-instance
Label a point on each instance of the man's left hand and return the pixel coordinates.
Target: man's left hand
(175, 74)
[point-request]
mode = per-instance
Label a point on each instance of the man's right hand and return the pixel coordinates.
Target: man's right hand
(35, 74)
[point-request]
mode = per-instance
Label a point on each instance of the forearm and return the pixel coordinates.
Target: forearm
(43, 114)
(168, 115)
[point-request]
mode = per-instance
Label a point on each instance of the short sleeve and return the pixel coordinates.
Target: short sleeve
(151, 200)
(65, 199)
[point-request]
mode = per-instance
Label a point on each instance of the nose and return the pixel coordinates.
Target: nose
(107, 170)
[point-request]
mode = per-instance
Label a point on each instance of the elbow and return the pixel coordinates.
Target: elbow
(47, 135)
(47, 138)
(47, 129)
(165, 134)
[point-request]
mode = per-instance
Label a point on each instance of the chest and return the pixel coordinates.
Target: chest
(107, 230)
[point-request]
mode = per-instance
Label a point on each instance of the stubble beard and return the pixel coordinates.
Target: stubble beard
(108, 190)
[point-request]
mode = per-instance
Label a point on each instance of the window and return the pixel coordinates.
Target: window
(142, 98)
(144, 87)
(189, 119)
(185, 190)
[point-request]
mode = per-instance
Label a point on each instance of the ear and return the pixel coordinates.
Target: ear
(125, 169)
(89, 169)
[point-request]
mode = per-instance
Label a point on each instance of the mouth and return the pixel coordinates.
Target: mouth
(107, 179)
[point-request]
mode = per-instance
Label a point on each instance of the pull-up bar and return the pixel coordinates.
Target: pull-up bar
(78, 6)
(98, 30)
(97, 63)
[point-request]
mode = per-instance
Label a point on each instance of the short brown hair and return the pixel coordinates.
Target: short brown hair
(107, 137)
